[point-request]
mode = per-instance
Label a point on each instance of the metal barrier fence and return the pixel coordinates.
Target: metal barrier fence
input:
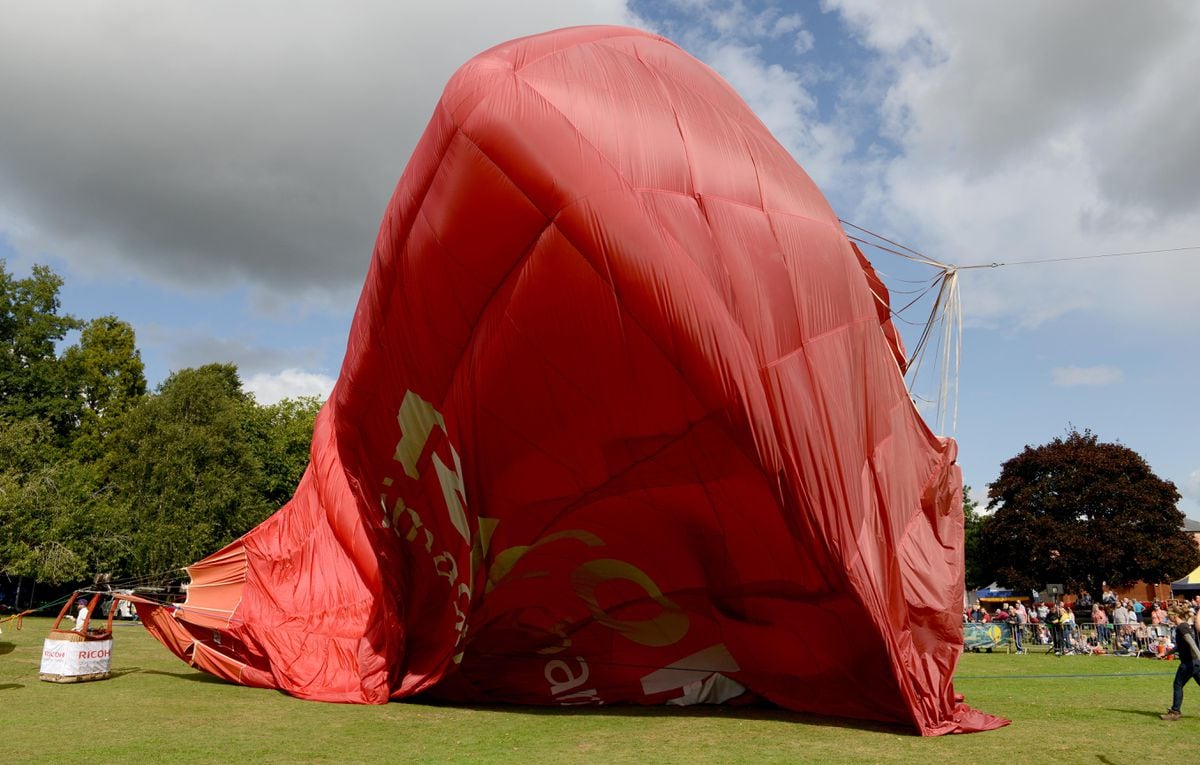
(1082, 638)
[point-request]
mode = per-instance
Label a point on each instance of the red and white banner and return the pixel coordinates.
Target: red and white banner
(70, 659)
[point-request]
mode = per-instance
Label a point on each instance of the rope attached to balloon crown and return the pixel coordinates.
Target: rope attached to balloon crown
(945, 315)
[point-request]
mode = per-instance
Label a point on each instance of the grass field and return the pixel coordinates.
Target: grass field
(1076, 709)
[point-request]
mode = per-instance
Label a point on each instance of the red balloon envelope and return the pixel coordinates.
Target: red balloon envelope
(621, 419)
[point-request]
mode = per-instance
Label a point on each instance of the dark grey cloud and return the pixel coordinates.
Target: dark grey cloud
(205, 143)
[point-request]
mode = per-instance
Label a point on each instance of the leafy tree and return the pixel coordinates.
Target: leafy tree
(33, 382)
(972, 522)
(96, 475)
(182, 468)
(282, 440)
(1082, 512)
(105, 368)
(24, 448)
(55, 525)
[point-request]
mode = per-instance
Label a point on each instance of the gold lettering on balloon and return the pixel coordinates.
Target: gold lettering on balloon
(454, 493)
(417, 419)
(445, 566)
(562, 678)
(504, 560)
(565, 682)
(667, 628)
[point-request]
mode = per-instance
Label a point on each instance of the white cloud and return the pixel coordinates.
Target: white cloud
(268, 388)
(1069, 377)
(1027, 131)
(804, 42)
(1191, 486)
(729, 37)
(978, 494)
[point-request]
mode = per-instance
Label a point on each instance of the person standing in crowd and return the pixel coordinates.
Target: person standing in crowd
(1120, 613)
(1043, 611)
(1158, 621)
(1018, 622)
(1067, 619)
(1054, 622)
(1138, 608)
(1100, 619)
(1189, 661)
(1120, 619)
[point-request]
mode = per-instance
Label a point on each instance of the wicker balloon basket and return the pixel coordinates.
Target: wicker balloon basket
(80, 654)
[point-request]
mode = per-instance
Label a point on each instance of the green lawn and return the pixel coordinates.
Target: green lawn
(1076, 709)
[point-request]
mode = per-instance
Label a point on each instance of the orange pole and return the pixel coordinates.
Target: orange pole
(66, 607)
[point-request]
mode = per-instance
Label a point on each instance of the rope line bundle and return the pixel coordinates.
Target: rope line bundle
(946, 311)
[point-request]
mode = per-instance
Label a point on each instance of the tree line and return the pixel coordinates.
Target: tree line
(99, 474)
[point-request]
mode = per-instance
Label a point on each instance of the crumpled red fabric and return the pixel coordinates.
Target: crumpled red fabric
(621, 420)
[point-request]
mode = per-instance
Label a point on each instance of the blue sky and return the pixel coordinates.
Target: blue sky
(214, 173)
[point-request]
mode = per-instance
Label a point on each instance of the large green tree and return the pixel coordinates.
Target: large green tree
(105, 366)
(182, 468)
(281, 437)
(51, 506)
(106, 373)
(33, 381)
(1082, 512)
(56, 524)
(96, 475)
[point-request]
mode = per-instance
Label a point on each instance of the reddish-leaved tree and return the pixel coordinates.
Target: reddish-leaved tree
(1082, 512)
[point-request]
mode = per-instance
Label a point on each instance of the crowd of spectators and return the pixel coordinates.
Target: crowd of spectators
(1122, 626)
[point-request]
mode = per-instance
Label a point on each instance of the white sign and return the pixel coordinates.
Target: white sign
(70, 659)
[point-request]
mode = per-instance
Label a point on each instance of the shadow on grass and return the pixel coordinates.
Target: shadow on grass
(10, 686)
(1137, 712)
(757, 712)
(749, 712)
(195, 677)
(124, 671)
(7, 648)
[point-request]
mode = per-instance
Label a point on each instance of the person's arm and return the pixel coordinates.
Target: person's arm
(1191, 641)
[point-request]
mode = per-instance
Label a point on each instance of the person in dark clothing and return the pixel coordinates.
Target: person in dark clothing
(1054, 622)
(1189, 661)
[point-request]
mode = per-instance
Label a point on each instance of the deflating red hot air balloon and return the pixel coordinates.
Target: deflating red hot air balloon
(621, 419)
